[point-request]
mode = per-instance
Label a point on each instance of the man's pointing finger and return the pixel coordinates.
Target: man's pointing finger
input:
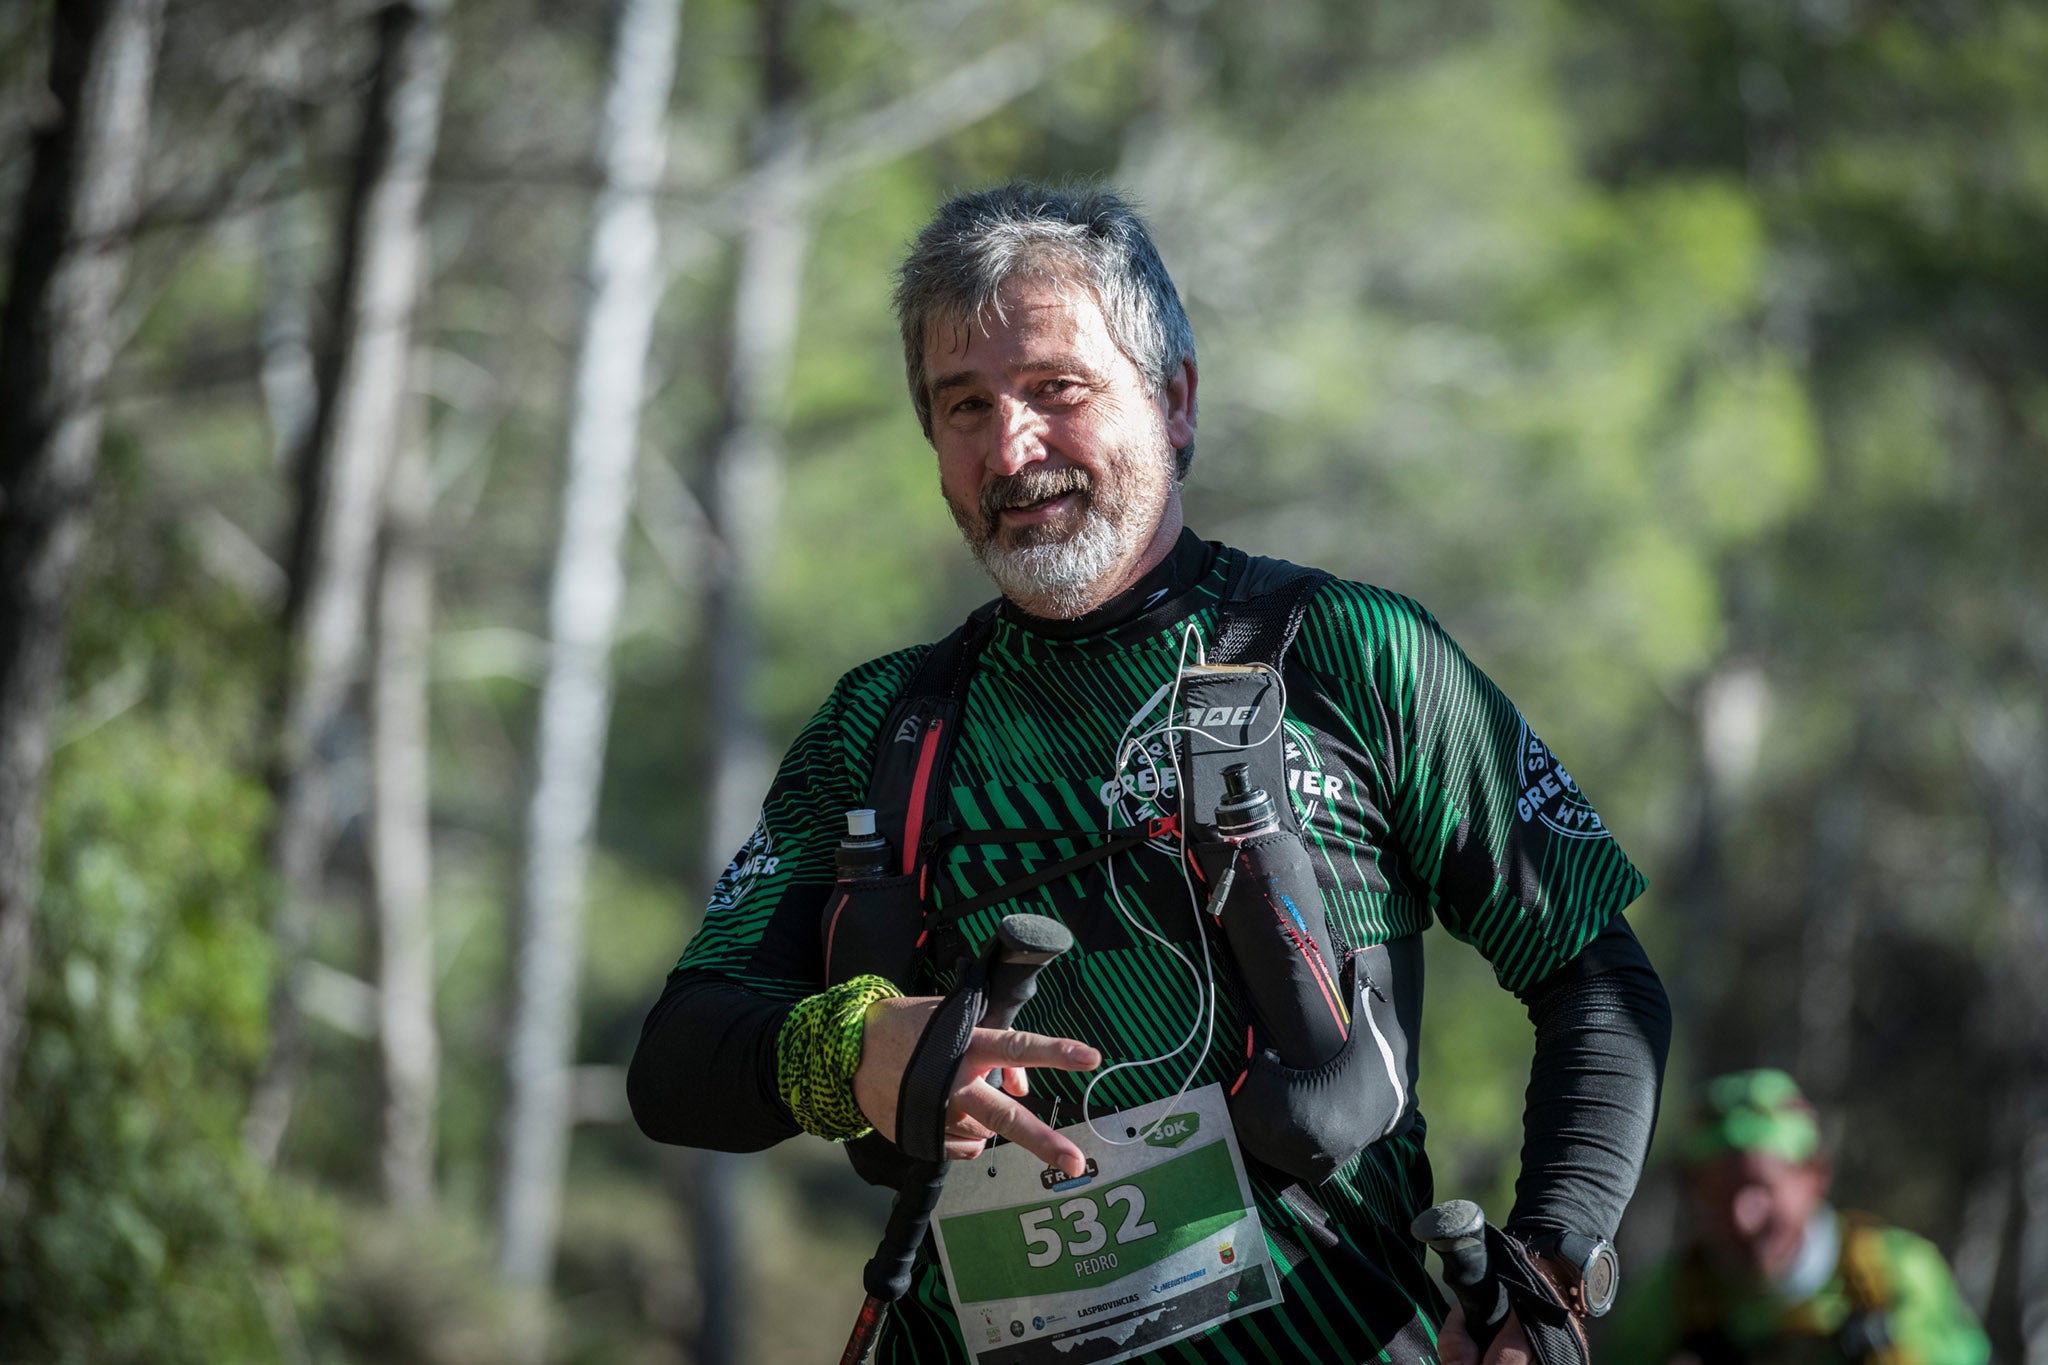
(1012, 1120)
(1013, 1047)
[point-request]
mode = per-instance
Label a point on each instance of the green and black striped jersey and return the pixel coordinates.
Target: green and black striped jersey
(1421, 794)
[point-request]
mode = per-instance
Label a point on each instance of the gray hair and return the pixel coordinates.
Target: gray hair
(975, 243)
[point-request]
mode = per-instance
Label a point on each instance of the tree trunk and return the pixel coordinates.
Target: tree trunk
(401, 853)
(2023, 866)
(340, 473)
(745, 480)
(583, 606)
(746, 471)
(2009, 747)
(56, 347)
(284, 328)
(1987, 1209)
(1726, 713)
(1830, 927)
(2033, 1251)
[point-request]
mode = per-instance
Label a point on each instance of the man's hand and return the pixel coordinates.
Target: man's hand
(1509, 1347)
(976, 1111)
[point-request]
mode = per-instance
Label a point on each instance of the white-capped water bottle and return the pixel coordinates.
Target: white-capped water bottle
(1273, 919)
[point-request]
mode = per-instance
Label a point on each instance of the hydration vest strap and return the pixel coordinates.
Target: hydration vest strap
(1264, 603)
(906, 786)
(1228, 717)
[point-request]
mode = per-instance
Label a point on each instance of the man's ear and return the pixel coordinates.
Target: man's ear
(1177, 405)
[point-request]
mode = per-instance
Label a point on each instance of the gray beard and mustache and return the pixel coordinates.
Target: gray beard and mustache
(1046, 569)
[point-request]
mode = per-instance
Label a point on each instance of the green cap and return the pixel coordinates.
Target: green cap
(1754, 1111)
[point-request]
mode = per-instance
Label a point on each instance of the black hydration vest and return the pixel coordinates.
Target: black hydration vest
(1305, 1122)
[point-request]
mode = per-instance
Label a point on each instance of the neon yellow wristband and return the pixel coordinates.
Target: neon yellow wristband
(817, 1053)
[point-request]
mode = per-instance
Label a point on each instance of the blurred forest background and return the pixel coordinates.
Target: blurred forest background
(1689, 358)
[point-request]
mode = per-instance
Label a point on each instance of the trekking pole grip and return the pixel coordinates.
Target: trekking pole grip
(887, 1273)
(1456, 1229)
(1027, 943)
(1023, 944)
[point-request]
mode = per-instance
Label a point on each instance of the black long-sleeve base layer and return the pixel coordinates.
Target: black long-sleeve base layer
(1603, 1027)
(704, 1073)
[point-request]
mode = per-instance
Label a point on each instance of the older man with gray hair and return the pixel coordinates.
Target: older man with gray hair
(1246, 788)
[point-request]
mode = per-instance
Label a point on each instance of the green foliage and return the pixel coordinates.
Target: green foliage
(135, 1228)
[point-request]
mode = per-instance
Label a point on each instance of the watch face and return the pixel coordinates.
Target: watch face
(1602, 1278)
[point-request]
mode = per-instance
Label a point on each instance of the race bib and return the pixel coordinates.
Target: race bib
(1157, 1240)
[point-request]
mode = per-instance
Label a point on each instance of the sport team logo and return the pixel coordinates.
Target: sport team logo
(755, 860)
(1550, 796)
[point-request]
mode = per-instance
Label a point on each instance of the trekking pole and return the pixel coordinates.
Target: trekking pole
(1024, 943)
(1456, 1228)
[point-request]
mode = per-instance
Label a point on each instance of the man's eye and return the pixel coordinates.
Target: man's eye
(967, 405)
(1060, 388)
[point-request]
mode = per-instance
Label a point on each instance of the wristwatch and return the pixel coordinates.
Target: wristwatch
(1588, 1273)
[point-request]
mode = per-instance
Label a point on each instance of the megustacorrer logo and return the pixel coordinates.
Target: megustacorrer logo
(1549, 795)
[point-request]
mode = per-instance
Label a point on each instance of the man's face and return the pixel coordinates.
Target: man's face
(1055, 463)
(1754, 1208)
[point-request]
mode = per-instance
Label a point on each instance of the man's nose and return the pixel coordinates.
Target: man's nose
(1752, 1210)
(1020, 435)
